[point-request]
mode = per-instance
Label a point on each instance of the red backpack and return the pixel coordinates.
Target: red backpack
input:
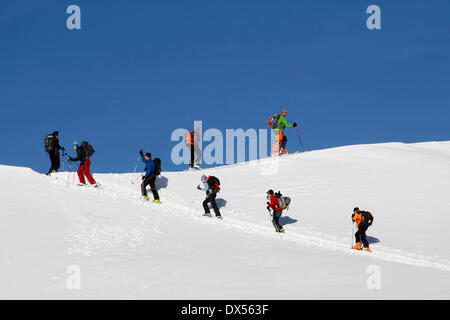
(189, 138)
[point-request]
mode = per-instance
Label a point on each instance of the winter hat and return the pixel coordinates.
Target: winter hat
(356, 209)
(270, 192)
(75, 143)
(148, 154)
(204, 178)
(56, 133)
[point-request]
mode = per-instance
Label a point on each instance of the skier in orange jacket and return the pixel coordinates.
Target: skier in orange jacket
(363, 220)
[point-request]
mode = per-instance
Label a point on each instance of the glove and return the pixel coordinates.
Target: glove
(268, 207)
(141, 152)
(295, 124)
(198, 187)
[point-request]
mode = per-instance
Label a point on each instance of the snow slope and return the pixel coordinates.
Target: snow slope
(133, 250)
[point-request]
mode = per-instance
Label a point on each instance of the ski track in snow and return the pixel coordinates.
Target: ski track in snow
(175, 208)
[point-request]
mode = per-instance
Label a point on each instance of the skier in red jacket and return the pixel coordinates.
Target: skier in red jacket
(276, 215)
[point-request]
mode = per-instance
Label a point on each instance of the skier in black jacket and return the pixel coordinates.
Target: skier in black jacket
(52, 147)
(85, 165)
(212, 186)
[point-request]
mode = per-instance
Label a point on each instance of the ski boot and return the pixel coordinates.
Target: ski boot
(357, 247)
(156, 201)
(206, 214)
(144, 198)
(367, 249)
(219, 218)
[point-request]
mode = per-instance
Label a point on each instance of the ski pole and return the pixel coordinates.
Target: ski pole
(73, 176)
(63, 161)
(68, 171)
(134, 172)
(137, 178)
(351, 236)
(300, 139)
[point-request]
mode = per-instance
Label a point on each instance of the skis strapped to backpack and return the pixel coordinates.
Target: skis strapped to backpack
(273, 121)
(283, 202)
(157, 169)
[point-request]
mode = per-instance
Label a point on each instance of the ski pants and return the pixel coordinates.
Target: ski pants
(360, 235)
(276, 219)
(211, 198)
(280, 143)
(149, 180)
(195, 152)
(85, 170)
(55, 160)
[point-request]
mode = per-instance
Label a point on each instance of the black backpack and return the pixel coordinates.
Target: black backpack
(88, 149)
(157, 169)
(215, 182)
(48, 143)
(367, 217)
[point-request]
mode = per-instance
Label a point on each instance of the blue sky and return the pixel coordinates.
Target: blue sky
(140, 69)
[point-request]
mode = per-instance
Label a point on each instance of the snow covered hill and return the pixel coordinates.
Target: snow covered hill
(128, 249)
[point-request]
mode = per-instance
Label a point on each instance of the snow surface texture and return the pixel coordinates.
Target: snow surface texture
(129, 249)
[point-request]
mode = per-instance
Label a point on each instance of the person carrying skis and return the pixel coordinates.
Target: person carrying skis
(52, 147)
(149, 178)
(85, 163)
(193, 143)
(277, 211)
(363, 220)
(279, 147)
(212, 186)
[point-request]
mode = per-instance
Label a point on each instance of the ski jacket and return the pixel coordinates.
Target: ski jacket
(274, 203)
(149, 166)
(282, 123)
(81, 155)
(362, 217)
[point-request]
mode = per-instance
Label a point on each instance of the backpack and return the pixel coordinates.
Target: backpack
(88, 149)
(157, 169)
(216, 183)
(283, 202)
(48, 143)
(273, 121)
(188, 138)
(367, 217)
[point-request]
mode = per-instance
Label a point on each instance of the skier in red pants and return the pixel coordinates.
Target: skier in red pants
(85, 163)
